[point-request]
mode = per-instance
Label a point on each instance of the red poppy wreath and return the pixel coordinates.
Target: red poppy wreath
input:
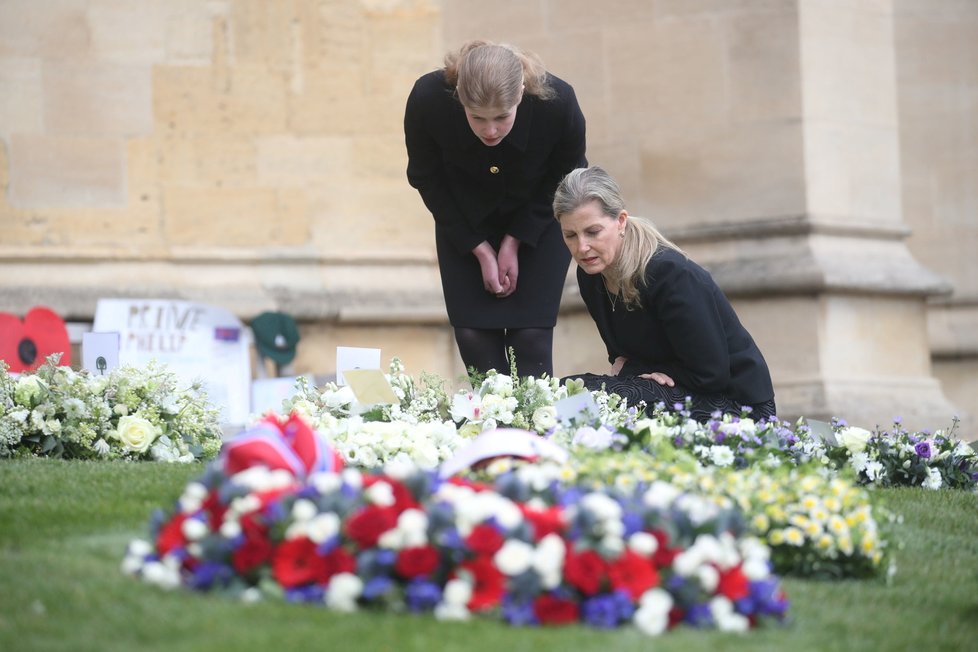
(25, 345)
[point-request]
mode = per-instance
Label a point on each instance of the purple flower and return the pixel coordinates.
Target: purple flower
(699, 615)
(924, 449)
(422, 595)
(518, 611)
(208, 573)
(376, 587)
(309, 593)
(607, 610)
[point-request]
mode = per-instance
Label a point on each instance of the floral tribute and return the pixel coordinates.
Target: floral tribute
(287, 521)
(130, 413)
(25, 345)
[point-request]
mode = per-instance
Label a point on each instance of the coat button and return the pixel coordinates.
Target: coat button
(494, 170)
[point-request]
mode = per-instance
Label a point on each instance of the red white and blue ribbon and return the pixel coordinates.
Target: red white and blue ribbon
(291, 445)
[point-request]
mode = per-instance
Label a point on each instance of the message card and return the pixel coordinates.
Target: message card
(823, 430)
(351, 357)
(370, 386)
(579, 407)
(100, 352)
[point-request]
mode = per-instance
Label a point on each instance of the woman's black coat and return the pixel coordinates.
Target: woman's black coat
(474, 191)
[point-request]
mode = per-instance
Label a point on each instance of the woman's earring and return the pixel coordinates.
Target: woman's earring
(621, 234)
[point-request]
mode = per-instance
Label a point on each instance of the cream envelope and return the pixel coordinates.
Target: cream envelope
(370, 386)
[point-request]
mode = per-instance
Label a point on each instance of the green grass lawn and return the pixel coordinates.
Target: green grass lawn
(64, 526)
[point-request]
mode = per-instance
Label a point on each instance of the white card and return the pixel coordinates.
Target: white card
(351, 357)
(100, 352)
(577, 407)
(823, 430)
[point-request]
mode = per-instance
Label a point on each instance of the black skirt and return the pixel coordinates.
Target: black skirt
(703, 406)
(534, 304)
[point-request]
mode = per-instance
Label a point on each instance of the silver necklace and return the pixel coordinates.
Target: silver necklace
(612, 298)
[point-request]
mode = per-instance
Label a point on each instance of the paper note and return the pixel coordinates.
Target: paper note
(370, 386)
(100, 352)
(350, 357)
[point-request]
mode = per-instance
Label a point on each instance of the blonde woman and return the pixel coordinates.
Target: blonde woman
(669, 330)
(488, 138)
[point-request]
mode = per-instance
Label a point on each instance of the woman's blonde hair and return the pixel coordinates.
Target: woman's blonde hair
(487, 74)
(641, 238)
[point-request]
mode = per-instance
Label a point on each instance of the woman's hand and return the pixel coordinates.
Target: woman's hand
(659, 377)
(508, 262)
(619, 363)
(486, 256)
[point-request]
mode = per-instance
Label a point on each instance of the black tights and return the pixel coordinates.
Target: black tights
(486, 348)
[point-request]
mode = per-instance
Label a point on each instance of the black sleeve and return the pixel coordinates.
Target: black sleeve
(425, 170)
(685, 303)
(569, 153)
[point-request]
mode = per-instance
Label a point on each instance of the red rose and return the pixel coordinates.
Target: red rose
(295, 562)
(215, 509)
(633, 573)
(544, 522)
(585, 570)
(338, 560)
(664, 554)
(489, 583)
(366, 526)
(484, 540)
(733, 584)
(170, 535)
(416, 562)
(255, 551)
(551, 610)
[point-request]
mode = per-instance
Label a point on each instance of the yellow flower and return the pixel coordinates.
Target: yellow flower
(760, 523)
(845, 545)
(793, 536)
(776, 537)
(825, 542)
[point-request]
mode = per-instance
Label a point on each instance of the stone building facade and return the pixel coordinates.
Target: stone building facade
(819, 156)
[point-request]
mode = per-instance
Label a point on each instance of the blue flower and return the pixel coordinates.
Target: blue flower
(517, 611)
(422, 595)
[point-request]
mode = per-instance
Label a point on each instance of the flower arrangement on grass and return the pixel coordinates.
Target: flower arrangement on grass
(879, 458)
(131, 413)
(526, 547)
(815, 524)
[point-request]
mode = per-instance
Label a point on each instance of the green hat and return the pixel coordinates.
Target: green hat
(276, 336)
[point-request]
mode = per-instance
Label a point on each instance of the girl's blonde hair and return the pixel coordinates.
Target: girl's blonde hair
(641, 238)
(487, 74)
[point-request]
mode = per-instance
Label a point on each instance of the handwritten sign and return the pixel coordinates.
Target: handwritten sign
(195, 341)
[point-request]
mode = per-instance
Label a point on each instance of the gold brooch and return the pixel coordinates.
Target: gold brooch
(494, 170)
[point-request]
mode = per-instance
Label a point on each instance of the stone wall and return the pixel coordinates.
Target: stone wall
(250, 154)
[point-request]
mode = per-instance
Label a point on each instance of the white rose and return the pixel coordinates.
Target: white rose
(854, 439)
(545, 418)
(595, 439)
(136, 434)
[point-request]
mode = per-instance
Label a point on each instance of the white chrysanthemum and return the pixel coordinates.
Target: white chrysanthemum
(343, 591)
(652, 615)
(643, 543)
(721, 455)
(660, 495)
(933, 480)
(514, 558)
(323, 527)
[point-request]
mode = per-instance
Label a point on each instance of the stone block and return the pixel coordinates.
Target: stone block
(764, 67)
(234, 217)
(207, 161)
(240, 100)
(959, 379)
(509, 22)
(21, 96)
(717, 175)
(847, 62)
(287, 161)
(190, 30)
(852, 170)
(58, 31)
(97, 99)
(128, 32)
(66, 172)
